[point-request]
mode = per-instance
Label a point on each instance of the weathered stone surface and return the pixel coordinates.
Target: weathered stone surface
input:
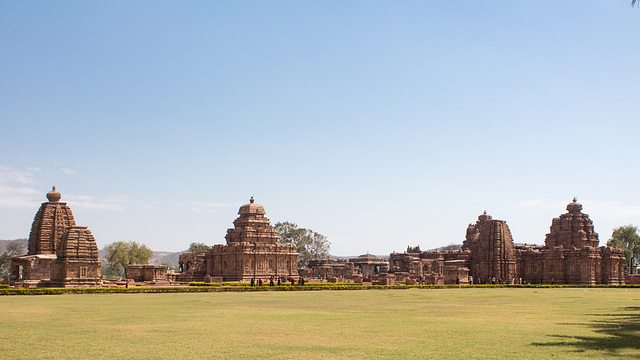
(192, 266)
(429, 267)
(77, 263)
(50, 222)
(370, 265)
(386, 279)
(327, 268)
(146, 272)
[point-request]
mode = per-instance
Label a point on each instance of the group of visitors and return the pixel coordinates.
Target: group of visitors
(272, 281)
(499, 281)
(491, 281)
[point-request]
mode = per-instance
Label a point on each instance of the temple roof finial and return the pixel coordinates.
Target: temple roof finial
(53, 195)
(251, 200)
(575, 199)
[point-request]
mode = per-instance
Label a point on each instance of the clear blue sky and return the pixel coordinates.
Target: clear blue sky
(378, 124)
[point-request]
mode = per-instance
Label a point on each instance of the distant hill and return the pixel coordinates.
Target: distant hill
(165, 257)
(337, 257)
(386, 257)
(449, 247)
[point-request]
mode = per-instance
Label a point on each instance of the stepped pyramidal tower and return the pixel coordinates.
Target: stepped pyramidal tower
(252, 252)
(571, 254)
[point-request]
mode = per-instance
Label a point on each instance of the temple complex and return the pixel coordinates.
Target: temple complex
(59, 252)
(571, 255)
(430, 267)
(63, 254)
(365, 267)
(252, 252)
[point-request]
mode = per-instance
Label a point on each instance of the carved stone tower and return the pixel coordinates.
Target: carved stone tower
(48, 225)
(77, 263)
(252, 226)
(572, 230)
(492, 251)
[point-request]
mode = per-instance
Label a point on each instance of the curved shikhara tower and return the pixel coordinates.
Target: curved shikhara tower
(59, 252)
(492, 253)
(50, 222)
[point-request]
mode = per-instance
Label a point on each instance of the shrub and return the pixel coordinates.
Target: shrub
(236, 287)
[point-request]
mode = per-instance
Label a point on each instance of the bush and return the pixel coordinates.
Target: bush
(242, 287)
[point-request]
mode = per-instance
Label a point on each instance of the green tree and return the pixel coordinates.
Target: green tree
(197, 247)
(120, 254)
(309, 244)
(13, 249)
(626, 238)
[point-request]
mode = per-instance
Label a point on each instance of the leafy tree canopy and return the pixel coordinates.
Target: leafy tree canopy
(196, 247)
(12, 249)
(120, 254)
(626, 238)
(309, 244)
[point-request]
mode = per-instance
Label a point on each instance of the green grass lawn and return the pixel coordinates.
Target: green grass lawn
(473, 323)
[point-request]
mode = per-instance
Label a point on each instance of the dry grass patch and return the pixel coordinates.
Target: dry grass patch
(418, 323)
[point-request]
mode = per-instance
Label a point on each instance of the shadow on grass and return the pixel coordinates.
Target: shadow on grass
(615, 332)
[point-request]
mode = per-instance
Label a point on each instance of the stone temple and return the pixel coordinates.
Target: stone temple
(491, 249)
(252, 252)
(571, 255)
(60, 253)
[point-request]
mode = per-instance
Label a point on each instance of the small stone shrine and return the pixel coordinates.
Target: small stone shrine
(77, 262)
(370, 265)
(147, 273)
